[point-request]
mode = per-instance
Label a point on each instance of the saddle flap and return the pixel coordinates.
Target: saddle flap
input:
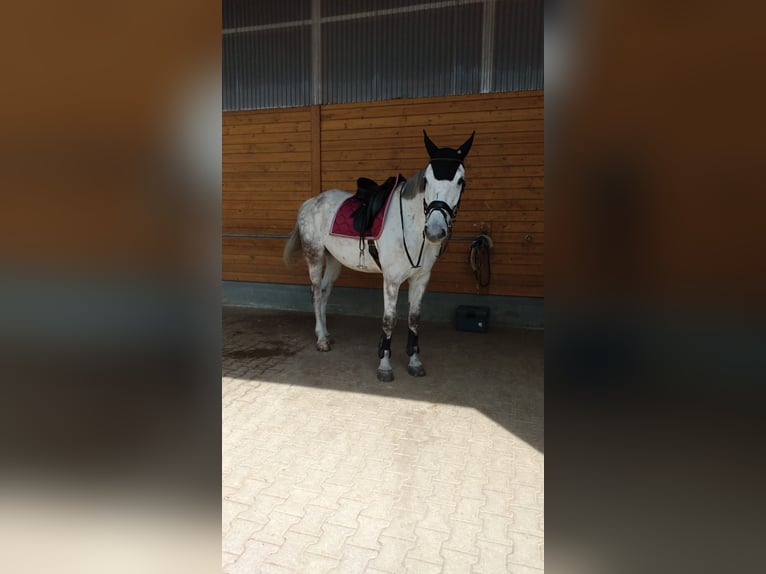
(352, 215)
(373, 197)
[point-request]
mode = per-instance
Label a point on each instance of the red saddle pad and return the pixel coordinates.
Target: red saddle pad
(343, 223)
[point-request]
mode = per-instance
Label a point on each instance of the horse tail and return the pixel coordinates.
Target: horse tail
(293, 247)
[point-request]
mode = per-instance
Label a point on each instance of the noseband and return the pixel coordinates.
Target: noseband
(442, 206)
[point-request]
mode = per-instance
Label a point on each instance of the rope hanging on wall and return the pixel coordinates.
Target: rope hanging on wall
(478, 257)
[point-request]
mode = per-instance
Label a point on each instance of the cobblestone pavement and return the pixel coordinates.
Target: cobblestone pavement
(327, 470)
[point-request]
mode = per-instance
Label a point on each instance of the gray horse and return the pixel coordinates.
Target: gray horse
(417, 223)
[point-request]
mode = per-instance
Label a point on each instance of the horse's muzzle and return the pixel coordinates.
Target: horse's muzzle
(436, 235)
(436, 230)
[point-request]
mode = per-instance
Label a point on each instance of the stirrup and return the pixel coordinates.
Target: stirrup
(361, 255)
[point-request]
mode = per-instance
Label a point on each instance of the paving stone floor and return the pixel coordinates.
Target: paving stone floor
(327, 470)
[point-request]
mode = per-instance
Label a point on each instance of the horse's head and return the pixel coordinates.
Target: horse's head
(444, 181)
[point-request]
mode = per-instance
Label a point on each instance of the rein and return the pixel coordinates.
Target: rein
(404, 237)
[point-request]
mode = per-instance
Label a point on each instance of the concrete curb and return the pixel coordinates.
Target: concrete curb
(505, 311)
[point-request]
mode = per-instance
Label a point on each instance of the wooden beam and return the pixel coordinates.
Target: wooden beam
(316, 150)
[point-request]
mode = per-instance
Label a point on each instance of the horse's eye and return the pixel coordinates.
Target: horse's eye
(461, 181)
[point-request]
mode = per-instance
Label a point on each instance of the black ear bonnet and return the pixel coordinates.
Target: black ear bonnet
(445, 160)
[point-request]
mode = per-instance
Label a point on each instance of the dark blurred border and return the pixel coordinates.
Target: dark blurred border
(110, 163)
(655, 274)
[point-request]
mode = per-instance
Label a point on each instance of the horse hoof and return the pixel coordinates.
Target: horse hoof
(418, 371)
(323, 346)
(385, 376)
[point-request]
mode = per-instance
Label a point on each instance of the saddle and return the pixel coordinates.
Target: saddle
(372, 198)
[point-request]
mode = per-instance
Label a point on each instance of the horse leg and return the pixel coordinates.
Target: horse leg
(316, 264)
(416, 291)
(331, 272)
(390, 295)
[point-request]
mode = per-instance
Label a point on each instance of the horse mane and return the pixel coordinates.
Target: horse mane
(414, 185)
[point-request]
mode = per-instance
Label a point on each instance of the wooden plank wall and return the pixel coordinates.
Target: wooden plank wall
(267, 158)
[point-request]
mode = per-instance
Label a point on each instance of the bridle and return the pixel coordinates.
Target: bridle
(449, 213)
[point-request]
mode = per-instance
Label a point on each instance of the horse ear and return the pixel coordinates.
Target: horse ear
(430, 146)
(466, 147)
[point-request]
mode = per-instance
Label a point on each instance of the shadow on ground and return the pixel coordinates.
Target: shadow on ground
(499, 373)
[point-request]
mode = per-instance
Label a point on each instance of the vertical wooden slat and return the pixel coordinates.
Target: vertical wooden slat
(316, 150)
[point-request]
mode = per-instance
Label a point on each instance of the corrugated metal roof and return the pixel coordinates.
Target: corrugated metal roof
(381, 49)
(403, 55)
(518, 46)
